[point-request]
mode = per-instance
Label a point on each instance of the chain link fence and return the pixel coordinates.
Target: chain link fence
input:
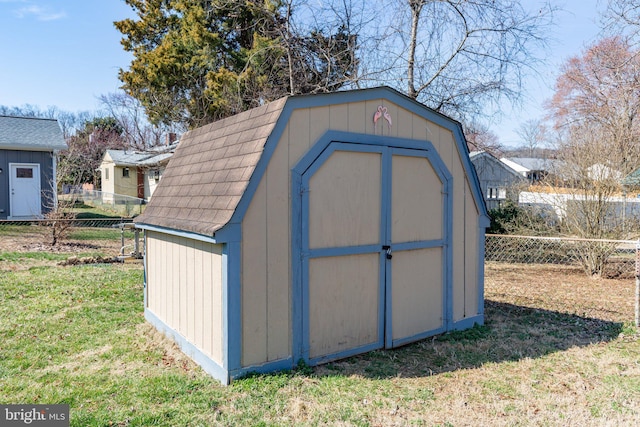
(76, 223)
(609, 258)
(116, 203)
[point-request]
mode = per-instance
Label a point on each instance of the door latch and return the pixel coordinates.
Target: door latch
(388, 249)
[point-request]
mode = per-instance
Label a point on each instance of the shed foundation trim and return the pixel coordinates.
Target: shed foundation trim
(208, 365)
(468, 322)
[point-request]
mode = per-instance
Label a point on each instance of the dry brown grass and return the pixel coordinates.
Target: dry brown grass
(561, 288)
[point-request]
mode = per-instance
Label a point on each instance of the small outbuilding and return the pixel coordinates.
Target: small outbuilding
(28, 154)
(315, 228)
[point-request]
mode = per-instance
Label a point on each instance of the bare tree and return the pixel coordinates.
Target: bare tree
(480, 138)
(595, 109)
(456, 56)
(69, 122)
(623, 16)
(130, 115)
(534, 134)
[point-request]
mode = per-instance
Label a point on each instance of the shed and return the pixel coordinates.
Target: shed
(315, 228)
(28, 153)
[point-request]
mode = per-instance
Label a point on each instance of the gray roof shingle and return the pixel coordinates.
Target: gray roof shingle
(210, 170)
(29, 133)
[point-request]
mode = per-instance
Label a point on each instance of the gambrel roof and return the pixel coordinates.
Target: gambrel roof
(30, 134)
(210, 170)
(213, 166)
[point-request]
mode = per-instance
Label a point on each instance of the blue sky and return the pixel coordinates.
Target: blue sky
(66, 53)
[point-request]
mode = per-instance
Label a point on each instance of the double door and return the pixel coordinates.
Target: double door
(373, 250)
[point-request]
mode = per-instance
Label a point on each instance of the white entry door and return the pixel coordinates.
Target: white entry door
(24, 189)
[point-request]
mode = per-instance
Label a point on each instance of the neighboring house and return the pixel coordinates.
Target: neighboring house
(133, 173)
(534, 169)
(28, 148)
(498, 181)
(314, 228)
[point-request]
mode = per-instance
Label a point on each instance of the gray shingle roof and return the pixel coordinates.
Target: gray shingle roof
(32, 134)
(153, 157)
(210, 171)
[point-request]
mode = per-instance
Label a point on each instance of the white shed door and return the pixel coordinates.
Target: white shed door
(372, 244)
(24, 188)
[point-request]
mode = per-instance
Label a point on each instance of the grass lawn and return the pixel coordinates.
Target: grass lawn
(77, 335)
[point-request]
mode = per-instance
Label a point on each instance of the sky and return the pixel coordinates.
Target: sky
(66, 53)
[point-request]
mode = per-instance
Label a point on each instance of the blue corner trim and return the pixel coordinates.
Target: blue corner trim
(481, 249)
(145, 270)
(208, 365)
(468, 322)
(278, 365)
(232, 304)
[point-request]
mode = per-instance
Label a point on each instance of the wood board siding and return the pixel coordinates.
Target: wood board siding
(184, 289)
(266, 289)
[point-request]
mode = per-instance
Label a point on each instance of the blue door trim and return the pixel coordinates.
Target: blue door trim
(330, 142)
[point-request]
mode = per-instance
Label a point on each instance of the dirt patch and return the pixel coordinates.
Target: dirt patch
(560, 288)
(36, 239)
(90, 260)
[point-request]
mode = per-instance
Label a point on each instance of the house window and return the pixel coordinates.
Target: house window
(125, 172)
(496, 193)
(24, 172)
(106, 174)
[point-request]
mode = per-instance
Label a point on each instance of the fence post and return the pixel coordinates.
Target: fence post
(637, 301)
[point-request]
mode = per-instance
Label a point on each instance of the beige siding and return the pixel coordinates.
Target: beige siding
(347, 186)
(266, 283)
(126, 186)
(343, 317)
(416, 207)
(254, 275)
(417, 292)
(194, 271)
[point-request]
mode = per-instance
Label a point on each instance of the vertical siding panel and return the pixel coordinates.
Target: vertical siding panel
(196, 295)
(254, 286)
(189, 276)
(164, 289)
(277, 227)
(206, 273)
(182, 279)
(298, 134)
(403, 124)
(471, 255)
(357, 117)
(419, 130)
(318, 125)
(339, 117)
(174, 303)
(198, 282)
